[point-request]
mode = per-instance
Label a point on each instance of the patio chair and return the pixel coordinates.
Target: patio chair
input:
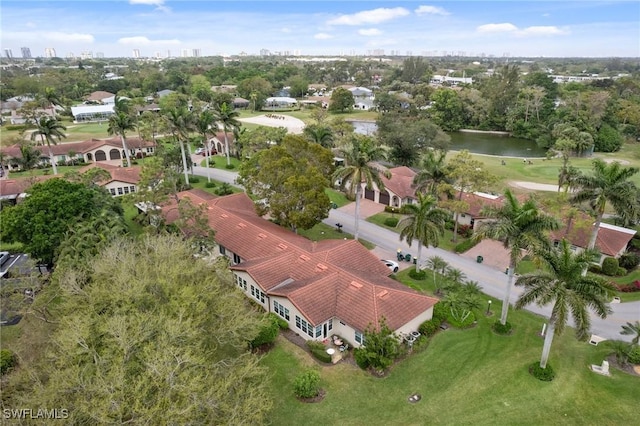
(344, 347)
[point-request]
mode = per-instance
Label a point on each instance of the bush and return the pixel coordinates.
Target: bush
(321, 355)
(449, 225)
(465, 231)
(629, 260)
(268, 333)
(595, 268)
(545, 374)
(229, 166)
(391, 222)
(634, 355)
(621, 272)
(306, 384)
(7, 360)
(440, 312)
(610, 266)
(418, 275)
(391, 209)
(429, 328)
(502, 329)
(194, 179)
(465, 245)
(629, 288)
(15, 127)
(210, 185)
(361, 358)
(468, 321)
(224, 189)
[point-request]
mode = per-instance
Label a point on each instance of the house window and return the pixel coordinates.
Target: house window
(150, 149)
(236, 258)
(319, 331)
(257, 294)
(359, 337)
(119, 191)
(304, 326)
(244, 284)
(113, 191)
(330, 324)
(281, 310)
(126, 189)
(223, 250)
(132, 188)
(341, 323)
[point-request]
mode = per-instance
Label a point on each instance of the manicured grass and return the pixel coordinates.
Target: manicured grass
(130, 212)
(379, 218)
(323, 231)
(627, 279)
(43, 172)
(202, 184)
(468, 376)
(220, 162)
(337, 197)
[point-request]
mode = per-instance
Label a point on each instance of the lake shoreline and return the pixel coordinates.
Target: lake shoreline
(486, 132)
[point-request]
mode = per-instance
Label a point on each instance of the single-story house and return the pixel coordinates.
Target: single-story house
(13, 191)
(123, 181)
(477, 201)
(241, 103)
(612, 241)
(217, 143)
(319, 288)
(83, 113)
(86, 151)
(102, 97)
(280, 102)
(398, 189)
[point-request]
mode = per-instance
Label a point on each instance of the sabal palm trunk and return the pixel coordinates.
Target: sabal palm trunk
(226, 145)
(126, 150)
(507, 294)
(206, 153)
(357, 214)
(548, 339)
(52, 158)
(184, 163)
(594, 237)
(418, 256)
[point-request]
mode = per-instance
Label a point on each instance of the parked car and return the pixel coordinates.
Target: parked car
(199, 151)
(391, 264)
(203, 152)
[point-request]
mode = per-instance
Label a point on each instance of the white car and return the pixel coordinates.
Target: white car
(391, 264)
(199, 151)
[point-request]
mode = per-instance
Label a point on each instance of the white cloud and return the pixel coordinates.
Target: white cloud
(546, 15)
(496, 28)
(374, 16)
(542, 31)
(431, 10)
(144, 41)
(286, 30)
(322, 36)
(369, 32)
(147, 2)
(75, 37)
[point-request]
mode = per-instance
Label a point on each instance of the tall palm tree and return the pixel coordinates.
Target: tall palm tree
(29, 156)
(519, 227)
(560, 281)
(49, 129)
(203, 124)
(433, 171)
(52, 99)
(609, 183)
(632, 329)
(425, 223)
(228, 117)
(181, 122)
(437, 264)
(119, 124)
(358, 169)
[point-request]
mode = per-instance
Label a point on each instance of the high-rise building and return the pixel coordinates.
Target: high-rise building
(136, 53)
(26, 52)
(100, 55)
(195, 53)
(49, 52)
(87, 54)
(8, 53)
(168, 53)
(185, 53)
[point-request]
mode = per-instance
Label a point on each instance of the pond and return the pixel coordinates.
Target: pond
(477, 143)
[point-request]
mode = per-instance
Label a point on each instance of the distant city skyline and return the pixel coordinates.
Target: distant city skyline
(394, 28)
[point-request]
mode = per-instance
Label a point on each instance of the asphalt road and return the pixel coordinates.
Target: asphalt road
(493, 282)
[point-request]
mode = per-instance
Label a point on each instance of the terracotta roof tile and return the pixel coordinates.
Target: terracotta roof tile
(401, 182)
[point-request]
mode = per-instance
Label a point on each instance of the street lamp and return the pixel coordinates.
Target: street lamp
(489, 308)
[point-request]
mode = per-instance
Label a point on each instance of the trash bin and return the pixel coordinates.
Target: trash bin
(334, 206)
(479, 259)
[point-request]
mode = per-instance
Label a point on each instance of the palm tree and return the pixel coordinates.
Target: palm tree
(632, 329)
(437, 264)
(319, 134)
(49, 129)
(432, 172)
(425, 222)
(29, 156)
(181, 122)
(119, 124)
(52, 99)
(610, 183)
(560, 281)
(203, 126)
(359, 168)
(519, 227)
(228, 117)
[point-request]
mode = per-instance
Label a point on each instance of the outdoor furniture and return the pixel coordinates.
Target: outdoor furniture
(337, 342)
(344, 348)
(331, 351)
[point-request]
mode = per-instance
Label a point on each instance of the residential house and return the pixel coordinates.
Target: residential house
(612, 241)
(101, 97)
(217, 143)
(477, 201)
(13, 191)
(319, 288)
(398, 189)
(280, 102)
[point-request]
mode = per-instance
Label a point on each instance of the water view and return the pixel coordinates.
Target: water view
(477, 143)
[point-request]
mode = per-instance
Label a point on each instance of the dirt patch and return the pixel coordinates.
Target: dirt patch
(634, 370)
(617, 160)
(319, 397)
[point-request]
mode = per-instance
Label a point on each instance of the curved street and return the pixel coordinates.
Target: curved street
(493, 281)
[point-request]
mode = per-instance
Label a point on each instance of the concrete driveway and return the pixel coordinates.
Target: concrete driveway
(493, 254)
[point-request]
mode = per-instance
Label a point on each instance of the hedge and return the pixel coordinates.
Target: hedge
(610, 266)
(417, 275)
(321, 355)
(391, 222)
(634, 355)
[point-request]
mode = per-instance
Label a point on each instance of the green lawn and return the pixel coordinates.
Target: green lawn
(468, 376)
(130, 212)
(337, 197)
(220, 162)
(323, 231)
(202, 184)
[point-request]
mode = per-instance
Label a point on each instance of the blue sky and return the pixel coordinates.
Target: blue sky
(308, 27)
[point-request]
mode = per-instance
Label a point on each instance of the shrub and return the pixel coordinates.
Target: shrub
(545, 374)
(462, 324)
(194, 179)
(321, 355)
(391, 209)
(361, 358)
(391, 222)
(595, 268)
(224, 189)
(610, 266)
(268, 333)
(15, 127)
(418, 275)
(634, 355)
(465, 231)
(449, 225)
(306, 384)
(629, 288)
(229, 166)
(440, 312)
(282, 324)
(314, 344)
(7, 360)
(502, 329)
(465, 245)
(429, 328)
(621, 272)
(210, 185)
(629, 260)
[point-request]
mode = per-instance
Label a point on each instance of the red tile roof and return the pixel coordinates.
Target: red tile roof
(99, 95)
(316, 277)
(401, 182)
(120, 174)
(478, 202)
(11, 188)
(83, 147)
